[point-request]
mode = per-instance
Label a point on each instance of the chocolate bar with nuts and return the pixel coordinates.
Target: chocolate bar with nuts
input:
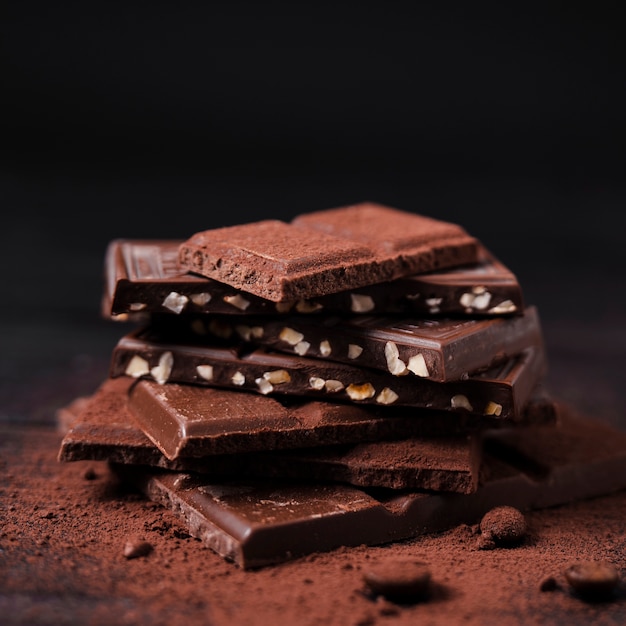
(255, 523)
(501, 391)
(326, 252)
(143, 277)
(438, 349)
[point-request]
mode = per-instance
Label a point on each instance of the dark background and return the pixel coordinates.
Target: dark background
(160, 119)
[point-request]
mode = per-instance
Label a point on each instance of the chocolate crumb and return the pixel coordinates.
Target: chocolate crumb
(548, 584)
(505, 525)
(592, 579)
(485, 542)
(90, 474)
(135, 548)
(399, 579)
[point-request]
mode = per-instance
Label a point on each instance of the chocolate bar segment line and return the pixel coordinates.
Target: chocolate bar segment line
(501, 391)
(438, 349)
(259, 523)
(142, 276)
(286, 262)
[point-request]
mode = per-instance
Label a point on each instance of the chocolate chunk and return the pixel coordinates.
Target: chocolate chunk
(505, 525)
(544, 458)
(447, 463)
(399, 579)
(254, 523)
(549, 583)
(317, 254)
(186, 420)
(437, 349)
(501, 391)
(592, 579)
(142, 276)
(135, 548)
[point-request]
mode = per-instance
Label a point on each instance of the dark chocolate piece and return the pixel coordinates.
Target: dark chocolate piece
(255, 523)
(438, 349)
(447, 463)
(593, 580)
(436, 453)
(399, 580)
(186, 421)
(142, 276)
(501, 391)
(318, 255)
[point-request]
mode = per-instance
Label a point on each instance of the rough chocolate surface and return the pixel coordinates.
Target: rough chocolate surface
(319, 254)
(142, 276)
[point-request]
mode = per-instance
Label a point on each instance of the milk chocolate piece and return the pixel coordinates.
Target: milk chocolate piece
(318, 254)
(142, 276)
(256, 523)
(438, 349)
(501, 391)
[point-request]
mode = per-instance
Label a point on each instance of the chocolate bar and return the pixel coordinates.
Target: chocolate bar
(256, 523)
(501, 391)
(142, 277)
(430, 453)
(185, 421)
(105, 430)
(437, 349)
(326, 252)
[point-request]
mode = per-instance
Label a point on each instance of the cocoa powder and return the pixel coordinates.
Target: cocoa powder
(64, 528)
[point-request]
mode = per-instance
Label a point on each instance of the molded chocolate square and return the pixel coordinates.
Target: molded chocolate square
(368, 447)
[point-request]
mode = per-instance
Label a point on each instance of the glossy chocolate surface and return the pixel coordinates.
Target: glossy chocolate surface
(443, 349)
(501, 391)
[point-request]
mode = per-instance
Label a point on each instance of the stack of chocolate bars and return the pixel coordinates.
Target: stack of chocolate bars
(357, 376)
